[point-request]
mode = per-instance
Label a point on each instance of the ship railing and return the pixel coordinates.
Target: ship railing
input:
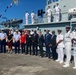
(64, 16)
(44, 19)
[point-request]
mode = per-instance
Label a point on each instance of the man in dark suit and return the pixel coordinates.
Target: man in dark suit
(53, 45)
(28, 42)
(35, 43)
(47, 40)
(40, 42)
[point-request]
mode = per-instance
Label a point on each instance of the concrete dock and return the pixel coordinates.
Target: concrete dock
(21, 64)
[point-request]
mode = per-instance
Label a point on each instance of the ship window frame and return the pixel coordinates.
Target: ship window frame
(50, 1)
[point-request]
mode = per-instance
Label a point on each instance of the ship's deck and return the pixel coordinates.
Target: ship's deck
(62, 23)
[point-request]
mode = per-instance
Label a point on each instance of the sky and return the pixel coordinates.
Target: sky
(18, 11)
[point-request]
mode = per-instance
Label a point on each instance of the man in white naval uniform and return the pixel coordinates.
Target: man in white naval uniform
(32, 17)
(26, 17)
(68, 44)
(60, 46)
(49, 14)
(74, 46)
(57, 12)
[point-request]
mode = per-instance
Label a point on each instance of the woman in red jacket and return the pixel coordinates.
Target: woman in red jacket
(23, 41)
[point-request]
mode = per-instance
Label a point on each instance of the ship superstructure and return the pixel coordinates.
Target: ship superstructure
(68, 16)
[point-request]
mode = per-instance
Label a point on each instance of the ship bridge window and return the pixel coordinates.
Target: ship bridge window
(50, 1)
(54, 0)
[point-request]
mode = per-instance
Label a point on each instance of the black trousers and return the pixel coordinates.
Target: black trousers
(41, 50)
(28, 48)
(22, 47)
(54, 53)
(0, 46)
(17, 47)
(3, 46)
(35, 50)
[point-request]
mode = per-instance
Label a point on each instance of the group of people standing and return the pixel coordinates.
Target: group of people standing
(32, 17)
(57, 44)
(49, 14)
(57, 13)
(23, 42)
(28, 42)
(66, 41)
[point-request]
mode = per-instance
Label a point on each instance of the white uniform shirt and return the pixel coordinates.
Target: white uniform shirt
(3, 35)
(32, 15)
(32, 33)
(49, 11)
(60, 37)
(74, 36)
(26, 15)
(16, 37)
(68, 36)
(57, 9)
(74, 32)
(15, 33)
